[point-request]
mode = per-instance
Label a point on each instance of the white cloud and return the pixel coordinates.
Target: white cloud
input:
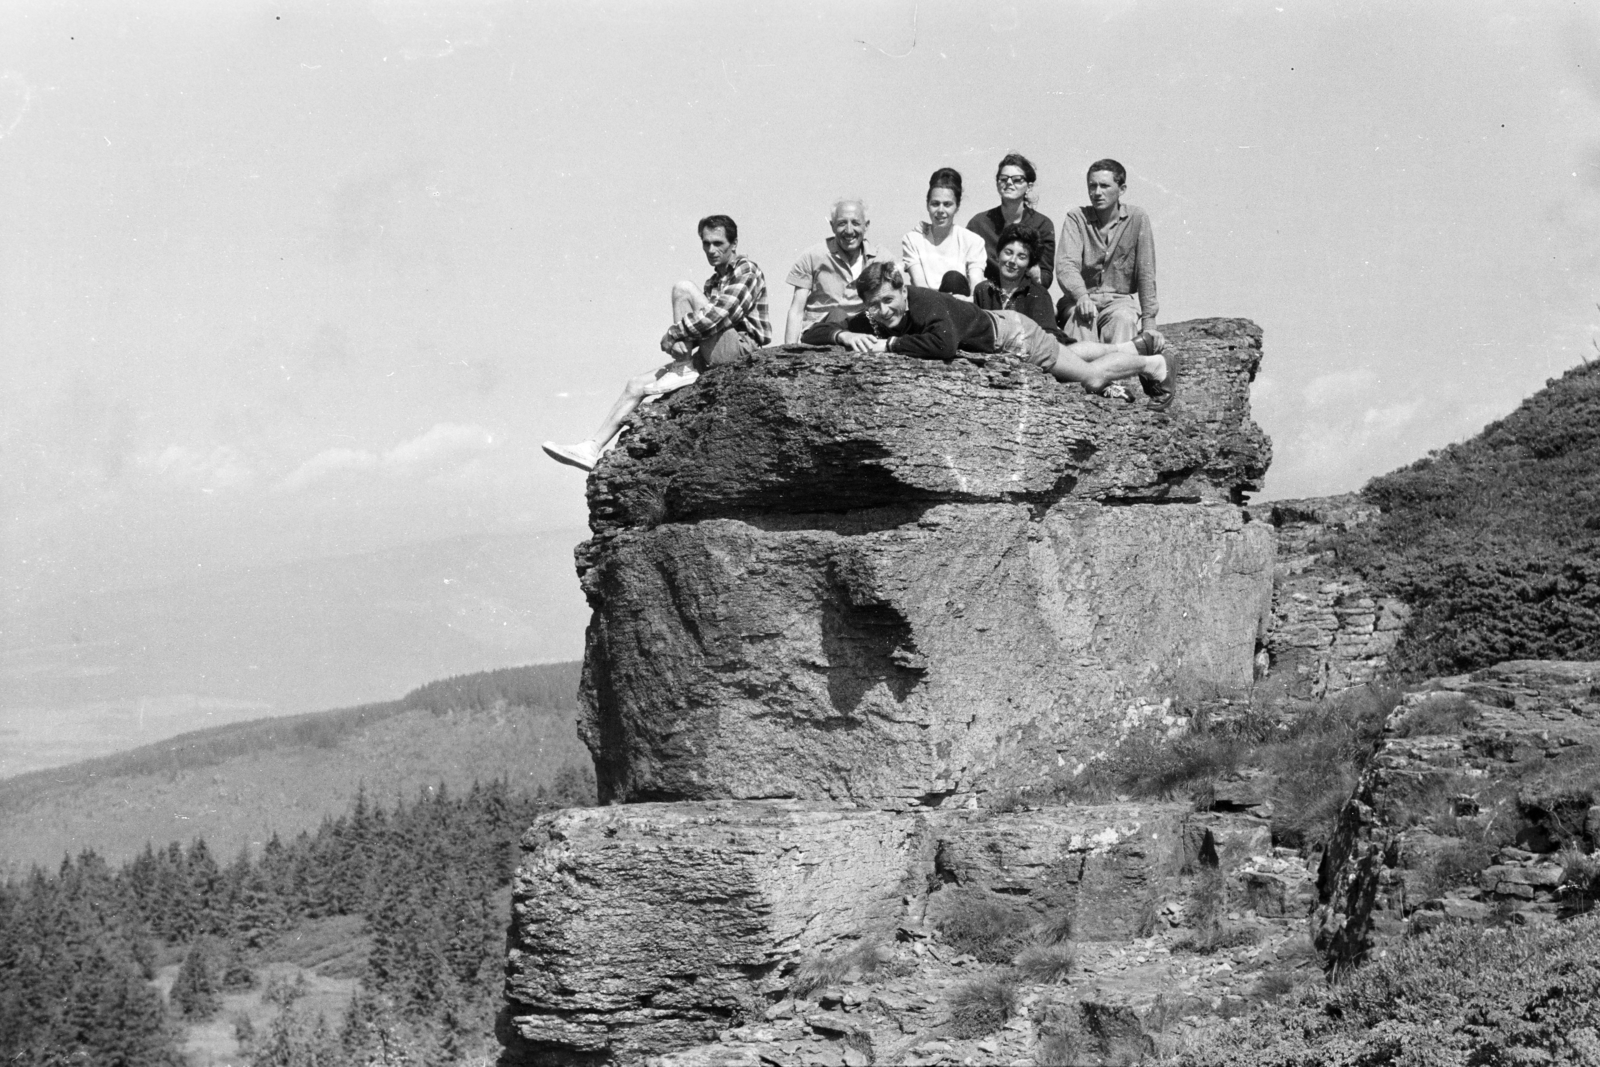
(188, 468)
(444, 446)
(327, 462)
(1339, 385)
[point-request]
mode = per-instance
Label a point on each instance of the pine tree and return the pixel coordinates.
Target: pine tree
(196, 992)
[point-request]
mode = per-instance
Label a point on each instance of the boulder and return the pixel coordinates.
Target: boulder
(801, 430)
(901, 583)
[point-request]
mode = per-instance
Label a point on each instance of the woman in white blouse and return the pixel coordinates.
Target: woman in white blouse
(939, 254)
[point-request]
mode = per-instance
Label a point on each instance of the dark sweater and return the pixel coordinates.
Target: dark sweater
(988, 224)
(1030, 299)
(935, 326)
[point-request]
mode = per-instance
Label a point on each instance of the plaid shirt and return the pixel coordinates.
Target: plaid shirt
(735, 299)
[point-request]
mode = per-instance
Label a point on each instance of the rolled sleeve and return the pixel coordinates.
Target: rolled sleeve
(731, 300)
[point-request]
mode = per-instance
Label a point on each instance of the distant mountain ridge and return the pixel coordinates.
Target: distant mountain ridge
(87, 676)
(237, 784)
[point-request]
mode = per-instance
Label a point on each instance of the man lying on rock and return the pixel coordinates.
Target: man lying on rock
(914, 321)
(719, 323)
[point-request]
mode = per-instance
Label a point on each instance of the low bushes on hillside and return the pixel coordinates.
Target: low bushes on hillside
(1462, 995)
(1495, 542)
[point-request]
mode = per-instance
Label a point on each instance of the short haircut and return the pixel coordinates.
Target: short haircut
(1117, 170)
(946, 178)
(729, 228)
(833, 212)
(1014, 234)
(876, 275)
(1020, 161)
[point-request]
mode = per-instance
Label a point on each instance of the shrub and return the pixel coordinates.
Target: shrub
(866, 957)
(1441, 714)
(974, 921)
(981, 1006)
(1047, 964)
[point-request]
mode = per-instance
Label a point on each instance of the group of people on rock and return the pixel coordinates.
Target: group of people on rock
(982, 289)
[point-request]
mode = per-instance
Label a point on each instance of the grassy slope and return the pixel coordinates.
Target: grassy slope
(1496, 541)
(235, 785)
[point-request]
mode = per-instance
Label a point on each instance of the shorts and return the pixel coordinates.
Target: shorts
(1018, 335)
(729, 346)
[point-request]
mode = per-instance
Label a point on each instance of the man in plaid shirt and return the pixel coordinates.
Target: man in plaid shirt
(720, 323)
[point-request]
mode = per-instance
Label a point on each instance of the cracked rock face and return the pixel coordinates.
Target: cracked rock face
(1481, 793)
(900, 583)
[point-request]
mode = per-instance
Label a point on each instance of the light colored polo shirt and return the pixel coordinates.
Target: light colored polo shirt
(830, 280)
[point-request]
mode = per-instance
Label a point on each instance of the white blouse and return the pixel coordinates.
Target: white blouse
(962, 251)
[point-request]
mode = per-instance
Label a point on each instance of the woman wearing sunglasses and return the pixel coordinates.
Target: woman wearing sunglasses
(1014, 179)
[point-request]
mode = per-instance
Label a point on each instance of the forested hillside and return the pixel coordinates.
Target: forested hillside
(79, 948)
(236, 785)
(1495, 541)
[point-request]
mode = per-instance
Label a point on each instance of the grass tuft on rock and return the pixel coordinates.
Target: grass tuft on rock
(980, 924)
(981, 1006)
(1046, 964)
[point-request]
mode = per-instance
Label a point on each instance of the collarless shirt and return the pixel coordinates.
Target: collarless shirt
(830, 280)
(736, 299)
(1120, 259)
(988, 224)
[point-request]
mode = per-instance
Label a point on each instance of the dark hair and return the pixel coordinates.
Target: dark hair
(1020, 161)
(1014, 234)
(876, 275)
(946, 178)
(1117, 170)
(729, 228)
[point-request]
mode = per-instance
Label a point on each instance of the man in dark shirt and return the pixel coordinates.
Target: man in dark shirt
(925, 324)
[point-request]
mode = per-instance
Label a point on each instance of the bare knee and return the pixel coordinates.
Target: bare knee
(637, 385)
(685, 291)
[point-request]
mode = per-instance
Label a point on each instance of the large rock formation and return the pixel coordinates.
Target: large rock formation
(895, 582)
(833, 593)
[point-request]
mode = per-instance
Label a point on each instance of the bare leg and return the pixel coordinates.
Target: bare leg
(1097, 364)
(686, 297)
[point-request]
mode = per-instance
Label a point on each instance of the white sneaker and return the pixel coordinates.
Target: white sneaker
(584, 454)
(671, 380)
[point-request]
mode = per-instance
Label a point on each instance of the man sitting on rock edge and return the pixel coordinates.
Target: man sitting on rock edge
(926, 324)
(719, 323)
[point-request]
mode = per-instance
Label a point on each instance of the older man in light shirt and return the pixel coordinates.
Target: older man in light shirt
(824, 277)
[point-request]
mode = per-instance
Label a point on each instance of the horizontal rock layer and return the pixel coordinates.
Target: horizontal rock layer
(900, 657)
(643, 928)
(806, 430)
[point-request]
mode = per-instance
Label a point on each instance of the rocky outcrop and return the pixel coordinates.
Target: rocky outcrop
(1329, 630)
(900, 583)
(1480, 803)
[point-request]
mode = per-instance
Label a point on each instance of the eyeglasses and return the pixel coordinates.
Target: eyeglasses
(1010, 179)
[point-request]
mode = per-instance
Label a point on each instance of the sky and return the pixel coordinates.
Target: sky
(291, 280)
